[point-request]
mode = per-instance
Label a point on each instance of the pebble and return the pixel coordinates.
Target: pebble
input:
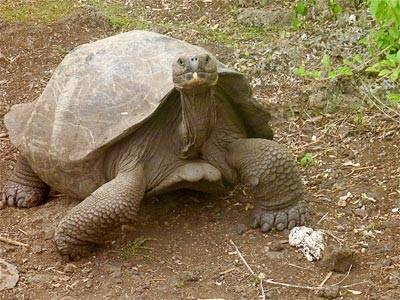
(69, 268)
(241, 228)
(276, 246)
(360, 212)
(329, 292)
(36, 249)
(89, 284)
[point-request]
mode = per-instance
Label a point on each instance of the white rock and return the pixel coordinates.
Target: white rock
(310, 242)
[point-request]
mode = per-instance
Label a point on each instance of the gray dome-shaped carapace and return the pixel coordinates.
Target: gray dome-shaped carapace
(101, 92)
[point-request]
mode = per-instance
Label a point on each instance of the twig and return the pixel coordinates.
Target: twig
(249, 268)
(12, 242)
(24, 232)
(304, 287)
(339, 240)
(227, 271)
(242, 258)
(323, 217)
(326, 279)
(345, 277)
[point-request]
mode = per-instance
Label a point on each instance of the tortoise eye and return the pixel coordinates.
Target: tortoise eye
(181, 62)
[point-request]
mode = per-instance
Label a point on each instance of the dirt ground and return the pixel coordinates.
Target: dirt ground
(180, 247)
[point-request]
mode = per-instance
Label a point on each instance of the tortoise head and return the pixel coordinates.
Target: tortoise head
(193, 71)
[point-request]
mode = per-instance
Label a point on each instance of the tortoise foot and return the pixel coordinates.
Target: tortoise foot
(279, 219)
(16, 194)
(72, 249)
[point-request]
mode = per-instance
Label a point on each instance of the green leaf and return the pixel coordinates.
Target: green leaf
(302, 9)
(394, 97)
(371, 69)
(345, 71)
(384, 72)
(316, 74)
(299, 71)
(295, 23)
(357, 58)
(395, 74)
(332, 74)
(326, 61)
(347, 62)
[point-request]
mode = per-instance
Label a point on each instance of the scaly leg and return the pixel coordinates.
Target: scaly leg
(110, 206)
(270, 173)
(24, 188)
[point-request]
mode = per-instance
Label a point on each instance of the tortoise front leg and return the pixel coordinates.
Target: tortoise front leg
(270, 173)
(110, 206)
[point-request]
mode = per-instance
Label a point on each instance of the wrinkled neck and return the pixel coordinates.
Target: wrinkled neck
(198, 120)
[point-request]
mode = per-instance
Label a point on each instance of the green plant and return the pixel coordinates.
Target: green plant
(386, 38)
(135, 247)
(300, 11)
(393, 100)
(327, 71)
(307, 160)
(183, 279)
(373, 226)
(334, 8)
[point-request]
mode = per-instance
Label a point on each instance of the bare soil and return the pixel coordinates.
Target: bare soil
(180, 246)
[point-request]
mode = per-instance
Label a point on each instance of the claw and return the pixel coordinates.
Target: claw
(281, 221)
(267, 221)
(266, 227)
(256, 220)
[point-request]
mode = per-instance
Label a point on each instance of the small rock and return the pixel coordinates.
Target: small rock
(89, 284)
(276, 247)
(338, 259)
(272, 255)
(8, 275)
(387, 262)
(86, 270)
(241, 228)
(69, 268)
(360, 212)
(329, 292)
(36, 249)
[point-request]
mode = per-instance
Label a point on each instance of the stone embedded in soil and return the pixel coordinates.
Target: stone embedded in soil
(8, 275)
(360, 212)
(329, 292)
(36, 249)
(276, 246)
(338, 259)
(241, 228)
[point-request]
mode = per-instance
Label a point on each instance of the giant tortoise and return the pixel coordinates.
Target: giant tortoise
(139, 114)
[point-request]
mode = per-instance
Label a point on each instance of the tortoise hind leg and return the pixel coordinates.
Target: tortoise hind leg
(24, 188)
